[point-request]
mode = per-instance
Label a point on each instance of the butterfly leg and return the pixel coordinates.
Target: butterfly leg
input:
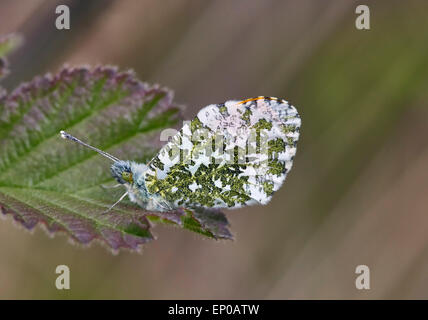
(120, 199)
(111, 187)
(157, 204)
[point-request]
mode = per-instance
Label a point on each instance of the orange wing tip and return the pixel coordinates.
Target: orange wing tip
(257, 98)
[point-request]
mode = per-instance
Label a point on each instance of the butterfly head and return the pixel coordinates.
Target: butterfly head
(121, 171)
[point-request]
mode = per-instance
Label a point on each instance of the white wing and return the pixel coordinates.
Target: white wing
(230, 155)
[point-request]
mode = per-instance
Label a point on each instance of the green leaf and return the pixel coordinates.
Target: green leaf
(44, 179)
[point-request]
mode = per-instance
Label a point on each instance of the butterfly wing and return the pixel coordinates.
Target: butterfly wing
(230, 155)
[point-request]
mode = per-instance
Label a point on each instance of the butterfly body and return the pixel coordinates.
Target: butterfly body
(132, 175)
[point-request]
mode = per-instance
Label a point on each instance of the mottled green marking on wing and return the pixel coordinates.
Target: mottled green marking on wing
(181, 178)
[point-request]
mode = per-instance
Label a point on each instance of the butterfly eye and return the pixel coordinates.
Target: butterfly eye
(127, 176)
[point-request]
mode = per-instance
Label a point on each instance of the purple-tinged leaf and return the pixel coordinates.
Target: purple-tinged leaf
(46, 180)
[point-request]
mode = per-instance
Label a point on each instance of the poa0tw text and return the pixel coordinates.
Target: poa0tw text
(235, 309)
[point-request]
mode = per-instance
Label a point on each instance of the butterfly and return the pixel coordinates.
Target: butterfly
(231, 155)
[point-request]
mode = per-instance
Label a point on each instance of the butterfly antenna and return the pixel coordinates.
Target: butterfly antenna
(68, 136)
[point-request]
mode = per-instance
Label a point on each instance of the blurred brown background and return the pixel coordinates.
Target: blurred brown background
(357, 193)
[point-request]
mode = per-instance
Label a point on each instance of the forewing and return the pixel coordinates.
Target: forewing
(230, 155)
